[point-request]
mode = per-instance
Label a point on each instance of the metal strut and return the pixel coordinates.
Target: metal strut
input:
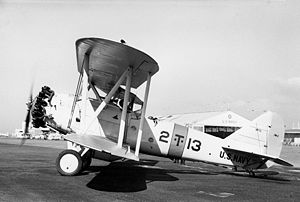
(124, 110)
(106, 100)
(76, 93)
(139, 137)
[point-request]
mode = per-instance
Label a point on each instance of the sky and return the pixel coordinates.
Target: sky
(213, 55)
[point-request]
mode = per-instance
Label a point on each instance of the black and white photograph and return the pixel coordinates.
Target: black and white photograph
(162, 100)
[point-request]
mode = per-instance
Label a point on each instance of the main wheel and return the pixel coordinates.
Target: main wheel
(69, 163)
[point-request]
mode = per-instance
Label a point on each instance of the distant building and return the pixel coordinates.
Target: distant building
(219, 124)
(292, 136)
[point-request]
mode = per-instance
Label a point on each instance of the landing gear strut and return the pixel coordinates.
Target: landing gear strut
(87, 160)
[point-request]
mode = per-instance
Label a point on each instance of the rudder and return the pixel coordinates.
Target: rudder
(275, 136)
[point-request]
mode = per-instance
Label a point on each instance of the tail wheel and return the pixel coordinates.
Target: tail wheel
(251, 173)
(69, 163)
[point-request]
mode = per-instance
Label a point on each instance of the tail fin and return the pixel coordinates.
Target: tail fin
(263, 135)
(275, 136)
(275, 131)
(262, 138)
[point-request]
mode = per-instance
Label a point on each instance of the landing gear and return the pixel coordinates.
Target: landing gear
(69, 163)
(87, 163)
(87, 160)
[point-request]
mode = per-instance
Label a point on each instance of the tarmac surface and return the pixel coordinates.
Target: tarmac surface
(28, 173)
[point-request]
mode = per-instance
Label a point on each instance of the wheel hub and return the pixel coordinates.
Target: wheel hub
(69, 163)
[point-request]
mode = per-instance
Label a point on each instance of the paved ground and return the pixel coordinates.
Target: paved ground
(28, 173)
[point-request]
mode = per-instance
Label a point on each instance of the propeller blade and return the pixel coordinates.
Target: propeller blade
(29, 107)
(28, 115)
(27, 121)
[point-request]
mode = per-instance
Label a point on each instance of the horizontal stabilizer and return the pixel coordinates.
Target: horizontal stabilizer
(255, 155)
(282, 162)
(101, 144)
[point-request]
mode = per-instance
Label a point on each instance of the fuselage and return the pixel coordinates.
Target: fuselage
(168, 139)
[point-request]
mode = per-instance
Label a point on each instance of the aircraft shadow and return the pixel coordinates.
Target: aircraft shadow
(131, 176)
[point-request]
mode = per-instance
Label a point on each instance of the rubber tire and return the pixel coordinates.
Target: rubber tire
(75, 154)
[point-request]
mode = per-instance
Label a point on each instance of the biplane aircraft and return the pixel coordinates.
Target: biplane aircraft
(113, 124)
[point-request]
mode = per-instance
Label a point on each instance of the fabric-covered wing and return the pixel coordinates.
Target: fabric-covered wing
(106, 60)
(101, 144)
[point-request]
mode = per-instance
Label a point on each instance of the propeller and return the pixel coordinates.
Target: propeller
(37, 113)
(29, 107)
(28, 115)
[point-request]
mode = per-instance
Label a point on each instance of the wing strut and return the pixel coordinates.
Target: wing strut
(79, 83)
(139, 137)
(84, 94)
(107, 98)
(96, 92)
(124, 111)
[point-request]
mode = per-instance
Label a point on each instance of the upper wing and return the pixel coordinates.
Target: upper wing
(101, 144)
(107, 60)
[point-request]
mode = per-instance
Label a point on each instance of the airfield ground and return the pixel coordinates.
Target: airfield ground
(28, 173)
